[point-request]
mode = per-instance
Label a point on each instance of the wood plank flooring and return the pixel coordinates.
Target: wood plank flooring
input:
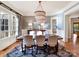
(9, 48)
(68, 45)
(73, 48)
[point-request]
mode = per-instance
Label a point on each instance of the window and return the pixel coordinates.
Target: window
(39, 33)
(4, 23)
(32, 33)
(8, 25)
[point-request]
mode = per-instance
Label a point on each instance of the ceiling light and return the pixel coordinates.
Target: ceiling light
(40, 14)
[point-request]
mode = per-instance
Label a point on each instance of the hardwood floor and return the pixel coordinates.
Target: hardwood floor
(68, 45)
(9, 48)
(73, 48)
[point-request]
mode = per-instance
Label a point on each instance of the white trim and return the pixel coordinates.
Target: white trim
(72, 10)
(5, 42)
(63, 10)
(51, 23)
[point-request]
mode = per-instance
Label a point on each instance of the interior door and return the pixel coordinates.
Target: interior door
(76, 28)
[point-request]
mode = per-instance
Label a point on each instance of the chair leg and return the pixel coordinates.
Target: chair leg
(46, 50)
(24, 51)
(34, 50)
(37, 50)
(56, 49)
(22, 47)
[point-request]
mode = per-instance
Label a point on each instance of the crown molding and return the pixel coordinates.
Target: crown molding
(67, 8)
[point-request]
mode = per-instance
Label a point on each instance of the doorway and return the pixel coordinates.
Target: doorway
(76, 28)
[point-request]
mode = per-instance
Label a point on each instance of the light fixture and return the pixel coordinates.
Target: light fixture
(40, 14)
(42, 24)
(30, 24)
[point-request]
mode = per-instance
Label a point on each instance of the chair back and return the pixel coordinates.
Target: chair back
(40, 40)
(52, 41)
(29, 40)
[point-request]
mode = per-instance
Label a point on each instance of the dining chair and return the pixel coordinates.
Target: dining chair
(28, 42)
(40, 41)
(53, 44)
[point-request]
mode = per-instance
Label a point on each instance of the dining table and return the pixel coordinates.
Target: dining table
(22, 39)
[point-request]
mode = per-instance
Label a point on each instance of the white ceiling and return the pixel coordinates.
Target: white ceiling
(74, 10)
(27, 8)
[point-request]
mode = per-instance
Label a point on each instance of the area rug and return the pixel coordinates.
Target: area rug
(17, 53)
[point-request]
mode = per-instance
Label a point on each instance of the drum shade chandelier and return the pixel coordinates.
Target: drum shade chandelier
(40, 14)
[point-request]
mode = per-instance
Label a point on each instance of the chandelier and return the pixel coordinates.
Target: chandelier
(40, 14)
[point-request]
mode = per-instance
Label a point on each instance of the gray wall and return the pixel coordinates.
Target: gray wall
(32, 18)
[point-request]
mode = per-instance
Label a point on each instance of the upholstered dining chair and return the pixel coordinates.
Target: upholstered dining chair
(53, 44)
(40, 41)
(28, 42)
